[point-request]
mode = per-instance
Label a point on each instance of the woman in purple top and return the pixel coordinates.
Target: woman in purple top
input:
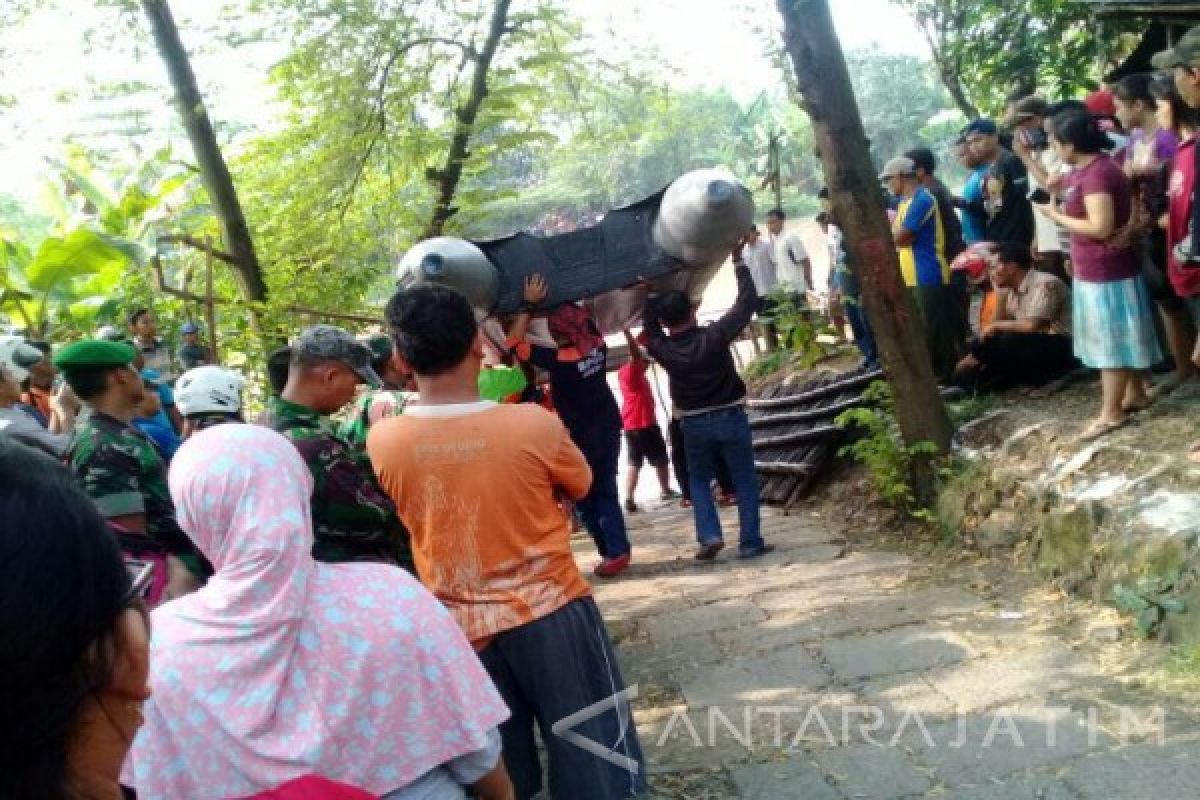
(1113, 322)
(1147, 161)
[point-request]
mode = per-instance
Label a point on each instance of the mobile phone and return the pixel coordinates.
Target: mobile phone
(1040, 196)
(142, 573)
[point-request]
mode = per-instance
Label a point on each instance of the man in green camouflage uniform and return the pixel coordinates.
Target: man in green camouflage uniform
(118, 465)
(353, 518)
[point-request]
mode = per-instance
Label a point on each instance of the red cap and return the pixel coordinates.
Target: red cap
(1101, 102)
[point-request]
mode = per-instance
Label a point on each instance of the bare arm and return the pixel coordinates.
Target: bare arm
(635, 352)
(1031, 325)
(1099, 222)
(495, 785)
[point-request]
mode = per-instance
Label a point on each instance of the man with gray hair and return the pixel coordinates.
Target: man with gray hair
(353, 518)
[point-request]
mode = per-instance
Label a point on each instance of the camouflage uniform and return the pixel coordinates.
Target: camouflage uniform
(357, 425)
(353, 518)
(120, 469)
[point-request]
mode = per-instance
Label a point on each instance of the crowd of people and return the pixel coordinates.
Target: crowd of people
(373, 593)
(1070, 247)
(359, 593)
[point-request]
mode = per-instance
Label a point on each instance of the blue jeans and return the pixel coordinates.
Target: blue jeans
(722, 434)
(601, 508)
(863, 338)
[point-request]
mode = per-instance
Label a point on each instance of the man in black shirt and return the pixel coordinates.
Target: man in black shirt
(1005, 188)
(710, 397)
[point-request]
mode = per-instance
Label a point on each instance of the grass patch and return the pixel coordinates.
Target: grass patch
(971, 407)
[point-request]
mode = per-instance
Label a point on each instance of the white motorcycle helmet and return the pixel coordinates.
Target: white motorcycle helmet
(207, 390)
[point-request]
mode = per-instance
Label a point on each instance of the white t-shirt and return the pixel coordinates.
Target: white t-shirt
(1047, 230)
(760, 259)
(789, 253)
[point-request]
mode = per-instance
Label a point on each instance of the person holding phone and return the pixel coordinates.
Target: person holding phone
(1031, 144)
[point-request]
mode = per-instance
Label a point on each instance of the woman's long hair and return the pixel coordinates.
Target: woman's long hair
(63, 583)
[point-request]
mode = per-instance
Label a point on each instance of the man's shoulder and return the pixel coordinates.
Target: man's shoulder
(1048, 282)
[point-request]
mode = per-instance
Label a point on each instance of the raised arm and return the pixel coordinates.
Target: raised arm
(731, 324)
(635, 352)
(535, 292)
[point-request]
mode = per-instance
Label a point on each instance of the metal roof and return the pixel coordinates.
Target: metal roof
(1159, 8)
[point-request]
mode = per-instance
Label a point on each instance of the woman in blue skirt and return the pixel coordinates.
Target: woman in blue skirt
(1113, 316)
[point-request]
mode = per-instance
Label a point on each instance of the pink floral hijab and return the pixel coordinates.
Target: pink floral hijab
(282, 667)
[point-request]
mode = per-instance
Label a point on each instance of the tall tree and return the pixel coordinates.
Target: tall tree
(447, 176)
(824, 83)
(213, 170)
(985, 49)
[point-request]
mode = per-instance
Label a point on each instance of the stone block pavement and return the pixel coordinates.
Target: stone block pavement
(821, 673)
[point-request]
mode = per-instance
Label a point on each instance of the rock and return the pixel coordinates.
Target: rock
(1106, 633)
(999, 531)
(1065, 540)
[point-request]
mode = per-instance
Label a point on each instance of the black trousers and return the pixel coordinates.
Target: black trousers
(1018, 359)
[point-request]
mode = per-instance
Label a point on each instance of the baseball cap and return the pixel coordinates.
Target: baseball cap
(900, 165)
(1028, 107)
(1185, 53)
(983, 125)
(331, 343)
(189, 327)
(17, 356)
(1102, 103)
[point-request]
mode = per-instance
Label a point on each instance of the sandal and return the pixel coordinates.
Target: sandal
(1098, 429)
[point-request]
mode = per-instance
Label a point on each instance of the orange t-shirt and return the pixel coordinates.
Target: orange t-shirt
(476, 487)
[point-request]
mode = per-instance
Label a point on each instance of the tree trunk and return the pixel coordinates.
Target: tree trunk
(446, 178)
(824, 83)
(213, 169)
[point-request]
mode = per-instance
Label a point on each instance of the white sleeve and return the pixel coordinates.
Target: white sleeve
(796, 249)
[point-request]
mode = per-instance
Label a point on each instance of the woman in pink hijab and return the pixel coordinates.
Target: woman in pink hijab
(281, 667)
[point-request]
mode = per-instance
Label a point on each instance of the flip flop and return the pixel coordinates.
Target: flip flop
(1096, 430)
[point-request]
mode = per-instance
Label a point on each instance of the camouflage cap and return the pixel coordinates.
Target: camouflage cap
(380, 345)
(1185, 53)
(330, 343)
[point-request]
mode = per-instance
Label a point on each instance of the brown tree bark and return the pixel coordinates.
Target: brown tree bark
(213, 169)
(447, 177)
(824, 82)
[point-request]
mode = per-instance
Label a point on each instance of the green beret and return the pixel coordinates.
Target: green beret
(94, 353)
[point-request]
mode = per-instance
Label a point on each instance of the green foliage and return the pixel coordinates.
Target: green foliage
(79, 265)
(985, 49)
(880, 448)
(971, 407)
(1149, 600)
(768, 364)
(797, 329)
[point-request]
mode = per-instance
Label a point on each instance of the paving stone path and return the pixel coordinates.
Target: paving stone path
(820, 673)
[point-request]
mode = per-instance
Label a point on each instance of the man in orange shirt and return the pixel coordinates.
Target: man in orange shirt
(476, 484)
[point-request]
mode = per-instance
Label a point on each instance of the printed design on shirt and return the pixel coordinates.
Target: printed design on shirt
(593, 363)
(1176, 187)
(483, 600)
